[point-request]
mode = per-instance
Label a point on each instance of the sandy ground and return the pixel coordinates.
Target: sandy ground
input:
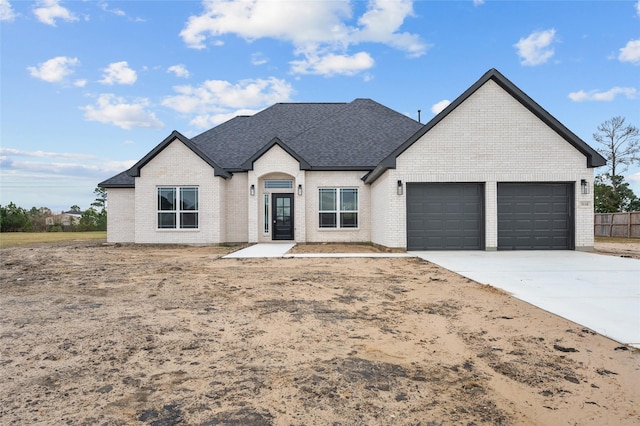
(110, 335)
(628, 248)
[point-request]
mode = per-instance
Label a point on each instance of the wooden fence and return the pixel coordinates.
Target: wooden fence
(626, 225)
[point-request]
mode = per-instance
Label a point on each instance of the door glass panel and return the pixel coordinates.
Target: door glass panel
(266, 213)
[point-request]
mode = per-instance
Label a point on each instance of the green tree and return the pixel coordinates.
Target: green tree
(100, 205)
(38, 217)
(89, 220)
(75, 208)
(14, 219)
(610, 200)
(100, 202)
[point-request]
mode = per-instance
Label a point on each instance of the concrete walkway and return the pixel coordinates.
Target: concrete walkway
(281, 249)
(596, 291)
(261, 250)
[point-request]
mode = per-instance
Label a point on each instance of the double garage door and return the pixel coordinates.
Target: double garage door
(450, 216)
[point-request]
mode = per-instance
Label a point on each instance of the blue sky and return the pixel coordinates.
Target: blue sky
(89, 87)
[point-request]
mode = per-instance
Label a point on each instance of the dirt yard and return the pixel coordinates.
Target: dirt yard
(114, 335)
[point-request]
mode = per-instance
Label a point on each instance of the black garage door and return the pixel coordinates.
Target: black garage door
(445, 216)
(535, 216)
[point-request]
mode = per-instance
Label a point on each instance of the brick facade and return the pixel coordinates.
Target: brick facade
(177, 165)
(121, 223)
(489, 138)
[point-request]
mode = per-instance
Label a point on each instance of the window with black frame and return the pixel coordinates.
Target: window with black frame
(178, 207)
(338, 208)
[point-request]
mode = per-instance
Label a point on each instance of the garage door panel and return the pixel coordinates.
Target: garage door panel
(445, 216)
(535, 216)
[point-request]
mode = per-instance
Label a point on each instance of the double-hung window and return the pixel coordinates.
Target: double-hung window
(338, 208)
(178, 207)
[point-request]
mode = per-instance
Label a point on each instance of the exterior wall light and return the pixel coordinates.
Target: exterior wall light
(400, 188)
(252, 190)
(584, 186)
(299, 189)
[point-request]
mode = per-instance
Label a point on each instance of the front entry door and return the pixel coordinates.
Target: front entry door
(282, 215)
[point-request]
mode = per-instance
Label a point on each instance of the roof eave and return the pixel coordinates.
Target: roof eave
(115, 185)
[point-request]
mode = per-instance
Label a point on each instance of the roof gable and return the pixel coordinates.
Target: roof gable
(175, 135)
(592, 157)
(248, 165)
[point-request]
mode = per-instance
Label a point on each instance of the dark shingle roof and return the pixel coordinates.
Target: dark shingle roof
(121, 180)
(323, 136)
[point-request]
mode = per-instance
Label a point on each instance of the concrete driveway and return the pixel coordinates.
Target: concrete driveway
(599, 292)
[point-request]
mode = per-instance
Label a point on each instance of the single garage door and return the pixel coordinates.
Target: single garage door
(445, 216)
(535, 216)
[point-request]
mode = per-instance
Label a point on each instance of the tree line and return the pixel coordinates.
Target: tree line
(17, 219)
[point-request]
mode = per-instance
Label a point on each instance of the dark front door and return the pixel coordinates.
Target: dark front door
(282, 215)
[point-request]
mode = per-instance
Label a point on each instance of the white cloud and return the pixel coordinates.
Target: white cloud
(6, 11)
(43, 154)
(49, 164)
(179, 70)
(105, 6)
(49, 10)
(119, 73)
(608, 96)
(478, 2)
(295, 21)
(258, 58)
(55, 69)
(439, 106)
(80, 83)
(381, 23)
(638, 8)
(49, 170)
(536, 48)
(214, 100)
(332, 64)
(319, 28)
(631, 52)
(110, 109)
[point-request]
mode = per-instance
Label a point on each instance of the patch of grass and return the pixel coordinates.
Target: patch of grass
(14, 239)
(622, 240)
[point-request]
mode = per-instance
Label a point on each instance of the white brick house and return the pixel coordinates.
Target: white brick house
(492, 171)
